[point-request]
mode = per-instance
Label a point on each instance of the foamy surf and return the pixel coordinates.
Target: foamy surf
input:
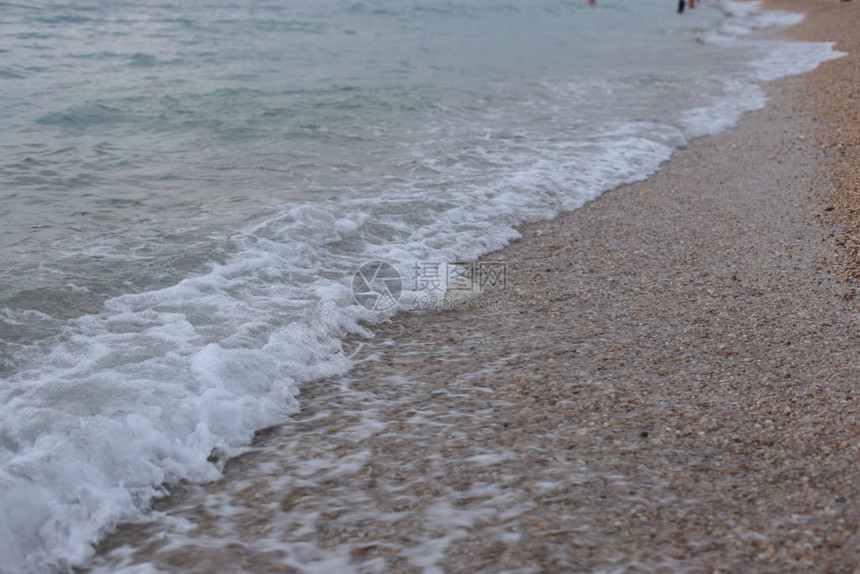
(163, 384)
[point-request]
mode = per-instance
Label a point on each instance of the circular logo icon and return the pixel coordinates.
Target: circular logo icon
(377, 285)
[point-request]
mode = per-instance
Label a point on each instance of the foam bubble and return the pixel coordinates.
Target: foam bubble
(771, 59)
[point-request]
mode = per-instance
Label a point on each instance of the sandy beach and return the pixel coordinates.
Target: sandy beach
(832, 94)
(671, 385)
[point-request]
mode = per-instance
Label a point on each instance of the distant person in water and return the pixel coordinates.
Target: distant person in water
(691, 4)
(592, 2)
(681, 5)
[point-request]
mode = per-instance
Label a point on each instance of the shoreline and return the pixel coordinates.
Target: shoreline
(832, 89)
(586, 425)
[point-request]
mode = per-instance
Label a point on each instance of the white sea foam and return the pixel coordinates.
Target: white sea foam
(143, 393)
(749, 16)
(724, 111)
(774, 59)
(782, 59)
(790, 58)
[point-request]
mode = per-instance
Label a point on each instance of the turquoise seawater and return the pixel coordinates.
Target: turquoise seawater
(186, 189)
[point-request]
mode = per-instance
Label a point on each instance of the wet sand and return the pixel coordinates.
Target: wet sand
(671, 386)
(834, 99)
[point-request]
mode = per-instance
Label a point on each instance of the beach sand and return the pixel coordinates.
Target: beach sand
(671, 386)
(834, 98)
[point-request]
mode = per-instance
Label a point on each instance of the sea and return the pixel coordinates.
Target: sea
(188, 187)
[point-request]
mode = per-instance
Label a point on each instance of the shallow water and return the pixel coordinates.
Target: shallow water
(186, 190)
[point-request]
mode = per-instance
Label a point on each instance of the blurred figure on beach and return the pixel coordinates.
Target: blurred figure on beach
(681, 5)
